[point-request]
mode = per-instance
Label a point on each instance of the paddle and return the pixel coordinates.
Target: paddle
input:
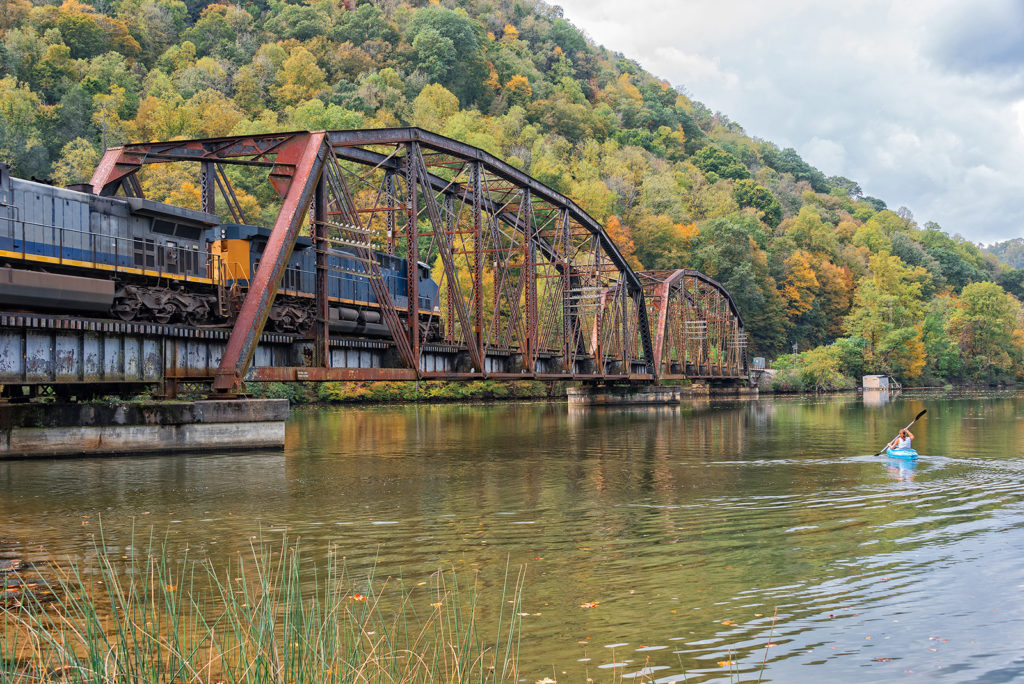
(916, 418)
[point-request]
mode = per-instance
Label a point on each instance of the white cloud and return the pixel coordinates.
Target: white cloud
(825, 153)
(919, 101)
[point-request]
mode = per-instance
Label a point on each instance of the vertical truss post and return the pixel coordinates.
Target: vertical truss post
(530, 281)
(499, 270)
(719, 331)
(322, 353)
(626, 350)
(706, 339)
(450, 293)
(412, 248)
(304, 155)
(662, 306)
(691, 316)
(207, 187)
(478, 259)
(596, 338)
(568, 319)
(390, 201)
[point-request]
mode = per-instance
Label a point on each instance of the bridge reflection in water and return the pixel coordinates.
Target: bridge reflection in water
(531, 287)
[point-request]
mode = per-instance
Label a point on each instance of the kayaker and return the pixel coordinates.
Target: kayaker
(902, 440)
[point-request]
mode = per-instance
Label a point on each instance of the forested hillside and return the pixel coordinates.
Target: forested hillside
(812, 262)
(1010, 252)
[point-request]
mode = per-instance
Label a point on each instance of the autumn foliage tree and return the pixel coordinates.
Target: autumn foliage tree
(986, 324)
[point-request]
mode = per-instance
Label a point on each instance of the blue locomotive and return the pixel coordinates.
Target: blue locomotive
(67, 249)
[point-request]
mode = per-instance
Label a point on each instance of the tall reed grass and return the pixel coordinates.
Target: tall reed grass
(273, 615)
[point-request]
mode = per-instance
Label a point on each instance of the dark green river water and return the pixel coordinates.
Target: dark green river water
(702, 533)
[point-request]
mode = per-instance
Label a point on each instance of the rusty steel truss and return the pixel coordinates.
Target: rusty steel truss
(530, 285)
(698, 332)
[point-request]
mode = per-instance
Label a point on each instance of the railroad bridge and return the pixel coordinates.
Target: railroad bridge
(529, 285)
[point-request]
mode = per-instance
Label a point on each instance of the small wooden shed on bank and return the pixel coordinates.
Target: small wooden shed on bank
(875, 382)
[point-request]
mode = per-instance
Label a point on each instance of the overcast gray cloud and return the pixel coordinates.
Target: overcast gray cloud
(920, 101)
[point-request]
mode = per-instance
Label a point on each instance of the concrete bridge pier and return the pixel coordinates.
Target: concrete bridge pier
(631, 394)
(623, 394)
(30, 430)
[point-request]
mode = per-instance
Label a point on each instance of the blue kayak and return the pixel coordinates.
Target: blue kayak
(900, 453)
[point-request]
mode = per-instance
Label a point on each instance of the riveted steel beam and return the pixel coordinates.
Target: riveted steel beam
(306, 155)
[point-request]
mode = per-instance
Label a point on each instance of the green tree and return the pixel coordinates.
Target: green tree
(808, 231)
(888, 313)
(1012, 280)
(944, 363)
(106, 107)
(713, 160)
(446, 50)
(300, 78)
(433, 106)
(749, 193)
(20, 137)
(77, 162)
(986, 324)
(788, 161)
(218, 30)
(365, 24)
(314, 115)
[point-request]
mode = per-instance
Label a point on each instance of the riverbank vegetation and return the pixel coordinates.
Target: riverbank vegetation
(273, 616)
(813, 263)
(391, 392)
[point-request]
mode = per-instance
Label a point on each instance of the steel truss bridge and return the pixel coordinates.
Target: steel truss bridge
(531, 287)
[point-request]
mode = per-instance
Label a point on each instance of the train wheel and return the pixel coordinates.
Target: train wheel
(197, 315)
(126, 309)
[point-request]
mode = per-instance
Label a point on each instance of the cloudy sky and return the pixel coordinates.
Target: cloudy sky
(919, 101)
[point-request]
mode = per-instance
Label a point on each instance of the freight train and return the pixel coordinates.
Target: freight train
(66, 249)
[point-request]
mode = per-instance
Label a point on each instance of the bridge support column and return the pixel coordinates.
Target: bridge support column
(47, 430)
(624, 395)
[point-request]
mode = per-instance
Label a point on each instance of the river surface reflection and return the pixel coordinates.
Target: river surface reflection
(702, 533)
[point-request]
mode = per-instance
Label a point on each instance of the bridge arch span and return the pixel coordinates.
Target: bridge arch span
(531, 286)
(698, 331)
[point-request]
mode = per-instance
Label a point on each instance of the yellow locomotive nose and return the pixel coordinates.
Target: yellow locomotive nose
(234, 258)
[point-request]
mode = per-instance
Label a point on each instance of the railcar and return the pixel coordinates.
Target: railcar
(66, 249)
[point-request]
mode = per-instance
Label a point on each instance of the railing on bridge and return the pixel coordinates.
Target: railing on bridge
(530, 285)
